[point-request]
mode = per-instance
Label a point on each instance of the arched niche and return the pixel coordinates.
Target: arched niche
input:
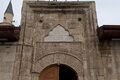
(56, 58)
(58, 34)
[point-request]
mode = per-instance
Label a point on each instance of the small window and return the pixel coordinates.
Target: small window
(4, 17)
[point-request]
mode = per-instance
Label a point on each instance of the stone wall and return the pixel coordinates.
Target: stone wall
(109, 67)
(7, 59)
(76, 20)
(43, 42)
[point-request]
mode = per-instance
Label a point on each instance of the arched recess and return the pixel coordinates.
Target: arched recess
(56, 58)
(59, 34)
(58, 72)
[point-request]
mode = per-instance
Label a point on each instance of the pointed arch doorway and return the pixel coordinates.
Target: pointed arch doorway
(58, 72)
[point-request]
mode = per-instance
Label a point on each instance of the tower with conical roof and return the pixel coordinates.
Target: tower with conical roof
(8, 15)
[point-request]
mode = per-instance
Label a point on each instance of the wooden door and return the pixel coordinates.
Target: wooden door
(58, 72)
(50, 73)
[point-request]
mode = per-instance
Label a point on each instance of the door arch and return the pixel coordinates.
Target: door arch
(58, 72)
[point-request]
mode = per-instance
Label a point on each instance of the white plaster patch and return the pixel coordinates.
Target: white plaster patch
(58, 34)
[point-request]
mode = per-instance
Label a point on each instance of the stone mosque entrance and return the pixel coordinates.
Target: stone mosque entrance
(58, 72)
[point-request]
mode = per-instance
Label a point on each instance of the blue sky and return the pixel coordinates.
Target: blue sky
(107, 11)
